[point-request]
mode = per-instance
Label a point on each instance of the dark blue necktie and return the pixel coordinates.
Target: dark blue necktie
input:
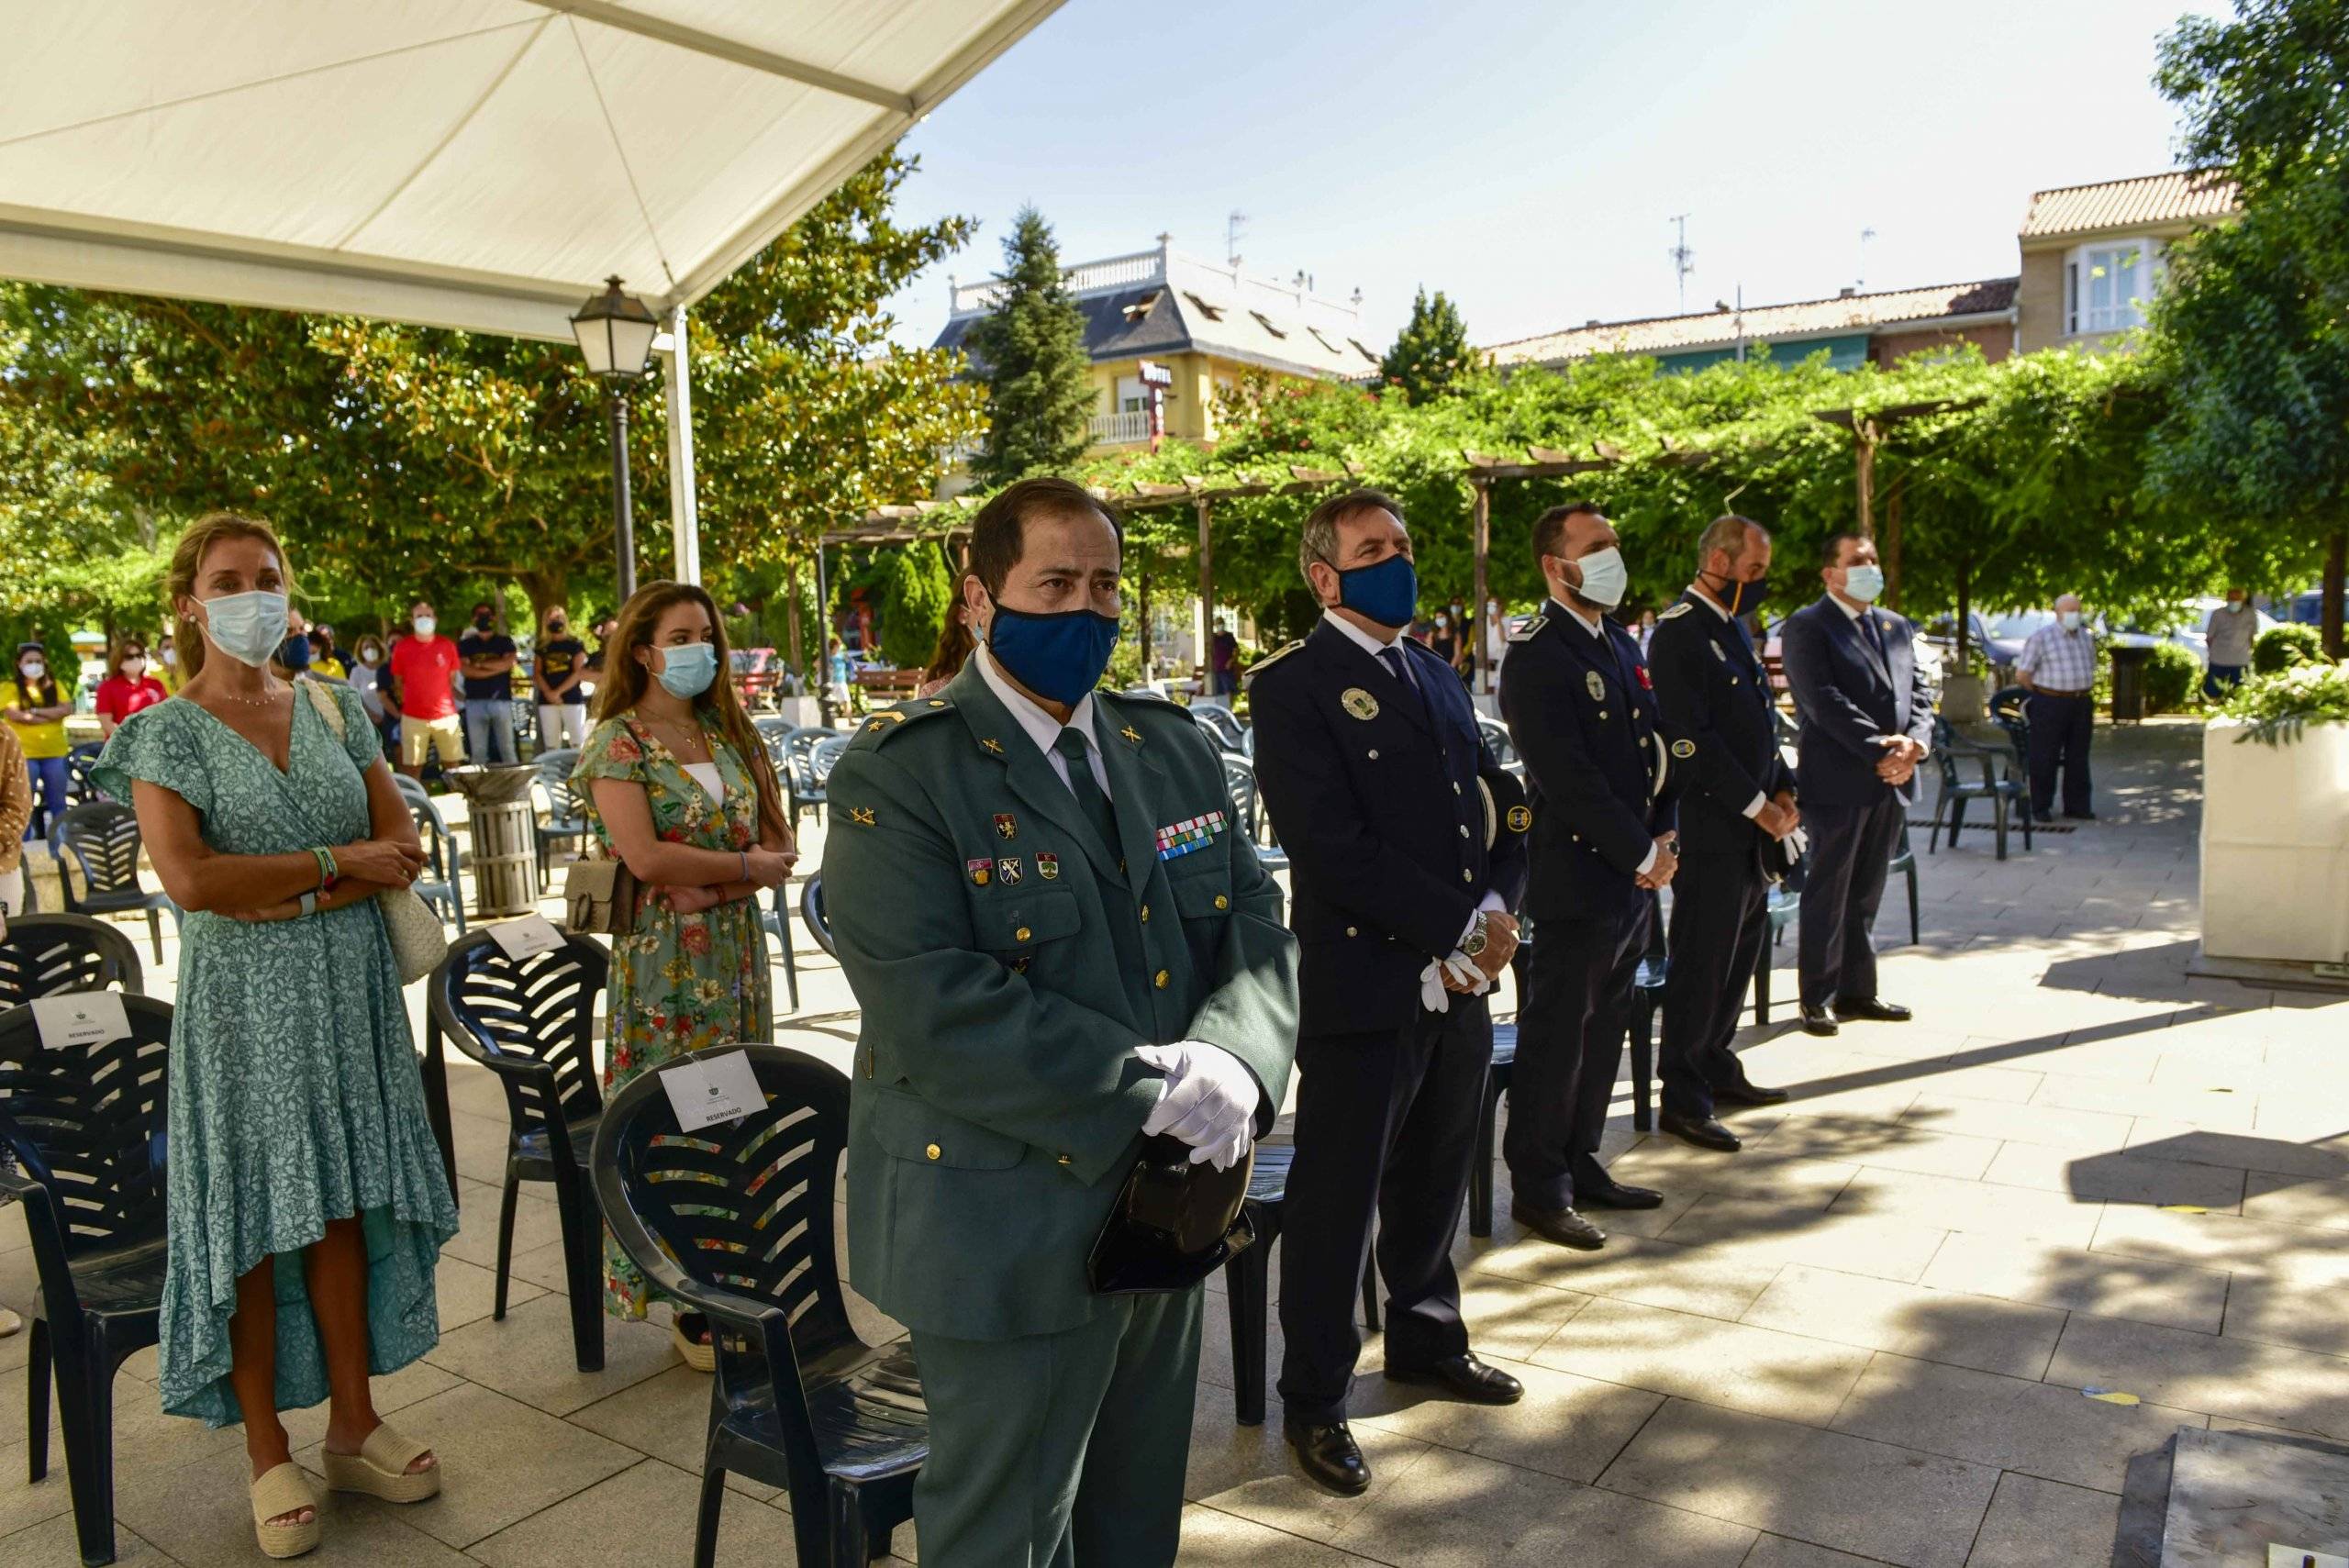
(1077, 757)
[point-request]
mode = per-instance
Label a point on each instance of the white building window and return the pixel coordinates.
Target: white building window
(1132, 396)
(2105, 285)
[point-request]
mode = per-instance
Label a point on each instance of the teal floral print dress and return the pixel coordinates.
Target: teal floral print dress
(294, 1093)
(679, 982)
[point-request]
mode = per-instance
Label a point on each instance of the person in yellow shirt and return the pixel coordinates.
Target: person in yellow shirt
(167, 660)
(35, 709)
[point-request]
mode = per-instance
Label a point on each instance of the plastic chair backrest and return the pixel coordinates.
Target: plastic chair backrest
(411, 790)
(1240, 783)
(89, 1123)
(103, 838)
(811, 910)
(1497, 735)
(554, 777)
(536, 1009)
(822, 755)
(48, 955)
(1220, 725)
(742, 1209)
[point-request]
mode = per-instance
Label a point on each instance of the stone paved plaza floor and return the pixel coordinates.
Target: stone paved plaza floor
(1864, 1339)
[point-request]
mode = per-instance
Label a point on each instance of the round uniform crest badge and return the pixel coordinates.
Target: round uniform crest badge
(1520, 817)
(1596, 687)
(1359, 703)
(1684, 750)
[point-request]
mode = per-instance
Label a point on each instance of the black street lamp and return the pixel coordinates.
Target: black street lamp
(616, 332)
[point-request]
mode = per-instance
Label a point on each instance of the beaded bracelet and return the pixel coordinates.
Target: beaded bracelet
(327, 873)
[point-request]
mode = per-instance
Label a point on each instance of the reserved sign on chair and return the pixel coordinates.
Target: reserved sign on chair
(707, 1090)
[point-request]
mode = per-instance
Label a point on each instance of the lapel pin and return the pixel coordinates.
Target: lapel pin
(1596, 687)
(1359, 703)
(1048, 867)
(860, 815)
(981, 871)
(1005, 826)
(993, 746)
(1010, 871)
(1130, 733)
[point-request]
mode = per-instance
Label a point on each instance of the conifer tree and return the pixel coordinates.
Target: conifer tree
(1030, 351)
(1431, 352)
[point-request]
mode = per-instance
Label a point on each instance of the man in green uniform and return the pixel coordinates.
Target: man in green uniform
(1060, 942)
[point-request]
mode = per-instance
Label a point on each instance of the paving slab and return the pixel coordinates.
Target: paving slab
(1895, 1504)
(2219, 1376)
(1761, 1370)
(2233, 1493)
(2104, 1283)
(2034, 1523)
(651, 1507)
(2122, 1177)
(1980, 1331)
(2007, 1423)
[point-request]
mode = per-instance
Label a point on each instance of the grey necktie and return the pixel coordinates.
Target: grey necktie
(1070, 744)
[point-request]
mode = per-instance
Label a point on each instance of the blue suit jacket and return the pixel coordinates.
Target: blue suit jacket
(1582, 715)
(1381, 803)
(1847, 697)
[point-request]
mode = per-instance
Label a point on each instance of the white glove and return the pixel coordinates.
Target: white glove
(1208, 1100)
(1434, 997)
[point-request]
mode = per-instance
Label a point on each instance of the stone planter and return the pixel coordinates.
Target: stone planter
(2276, 845)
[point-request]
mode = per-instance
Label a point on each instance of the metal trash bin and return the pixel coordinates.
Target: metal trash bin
(503, 824)
(2129, 684)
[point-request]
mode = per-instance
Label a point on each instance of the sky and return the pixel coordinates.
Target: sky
(1528, 158)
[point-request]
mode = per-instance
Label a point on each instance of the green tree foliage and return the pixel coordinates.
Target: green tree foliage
(2281, 647)
(910, 588)
(2173, 677)
(1030, 351)
(2251, 337)
(1431, 351)
(806, 419)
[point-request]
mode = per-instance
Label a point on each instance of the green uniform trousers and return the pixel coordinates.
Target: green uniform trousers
(1061, 1450)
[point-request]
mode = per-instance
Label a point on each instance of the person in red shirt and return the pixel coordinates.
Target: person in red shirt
(424, 672)
(128, 687)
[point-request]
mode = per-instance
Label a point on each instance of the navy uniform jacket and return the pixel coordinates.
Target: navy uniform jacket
(1846, 697)
(1713, 690)
(1581, 714)
(1381, 803)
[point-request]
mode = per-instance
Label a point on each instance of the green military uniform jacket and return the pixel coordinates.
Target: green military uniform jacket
(1007, 963)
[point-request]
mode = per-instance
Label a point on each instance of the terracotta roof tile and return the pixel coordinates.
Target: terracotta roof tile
(2179, 195)
(1671, 334)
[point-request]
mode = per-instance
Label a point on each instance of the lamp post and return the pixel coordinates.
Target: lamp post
(616, 332)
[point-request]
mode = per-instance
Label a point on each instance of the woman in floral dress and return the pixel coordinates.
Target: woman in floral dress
(679, 788)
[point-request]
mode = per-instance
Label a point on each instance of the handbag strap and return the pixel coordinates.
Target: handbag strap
(328, 710)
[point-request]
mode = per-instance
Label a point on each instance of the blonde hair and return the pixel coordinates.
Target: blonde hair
(187, 561)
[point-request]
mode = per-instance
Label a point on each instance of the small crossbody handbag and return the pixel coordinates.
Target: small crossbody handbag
(417, 942)
(600, 897)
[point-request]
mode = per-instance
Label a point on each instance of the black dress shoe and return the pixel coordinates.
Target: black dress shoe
(1874, 1008)
(1605, 1192)
(1819, 1020)
(1706, 1134)
(1562, 1225)
(1329, 1456)
(1748, 1094)
(1464, 1377)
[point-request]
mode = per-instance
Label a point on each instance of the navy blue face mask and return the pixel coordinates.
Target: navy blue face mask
(293, 653)
(1388, 593)
(1058, 657)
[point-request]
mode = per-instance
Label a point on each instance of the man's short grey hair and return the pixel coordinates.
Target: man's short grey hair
(1320, 539)
(1727, 534)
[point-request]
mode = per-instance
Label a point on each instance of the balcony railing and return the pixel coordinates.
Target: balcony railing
(1118, 430)
(1116, 273)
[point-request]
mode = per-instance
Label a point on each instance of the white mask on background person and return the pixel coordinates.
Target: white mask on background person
(248, 628)
(134, 668)
(171, 658)
(1863, 582)
(33, 670)
(2071, 619)
(424, 625)
(1604, 577)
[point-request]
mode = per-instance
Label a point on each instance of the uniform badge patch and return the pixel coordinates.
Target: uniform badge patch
(1006, 825)
(1681, 608)
(1718, 652)
(1520, 817)
(1526, 633)
(1647, 683)
(1684, 750)
(993, 746)
(981, 871)
(1130, 733)
(1048, 867)
(1009, 871)
(1596, 687)
(860, 815)
(1359, 703)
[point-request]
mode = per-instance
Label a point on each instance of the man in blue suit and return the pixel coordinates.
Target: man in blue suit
(1582, 712)
(1866, 717)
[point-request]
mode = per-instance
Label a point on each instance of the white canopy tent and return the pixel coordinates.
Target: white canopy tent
(480, 164)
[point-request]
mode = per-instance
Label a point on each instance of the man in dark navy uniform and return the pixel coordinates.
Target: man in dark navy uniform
(1407, 851)
(1867, 719)
(1575, 694)
(1736, 812)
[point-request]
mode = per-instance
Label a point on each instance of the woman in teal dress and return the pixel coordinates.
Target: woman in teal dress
(680, 788)
(307, 1205)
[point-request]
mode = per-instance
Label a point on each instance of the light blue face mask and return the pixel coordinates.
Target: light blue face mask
(1863, 582)
(248, 628)
(687, 670)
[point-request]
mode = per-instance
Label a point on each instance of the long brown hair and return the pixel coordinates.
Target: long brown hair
(187, 559)
(956, 643)
(624, 682)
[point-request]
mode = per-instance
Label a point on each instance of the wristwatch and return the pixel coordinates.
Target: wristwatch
(1473, 944)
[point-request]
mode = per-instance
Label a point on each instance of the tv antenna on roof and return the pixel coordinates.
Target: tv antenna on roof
(1233, 227)
(1684, 260)
(1860, 283)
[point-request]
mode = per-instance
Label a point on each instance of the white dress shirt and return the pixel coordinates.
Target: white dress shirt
(1043, 728)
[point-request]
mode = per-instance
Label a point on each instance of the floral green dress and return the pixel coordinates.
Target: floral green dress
(679, 982)
(294, 1093)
